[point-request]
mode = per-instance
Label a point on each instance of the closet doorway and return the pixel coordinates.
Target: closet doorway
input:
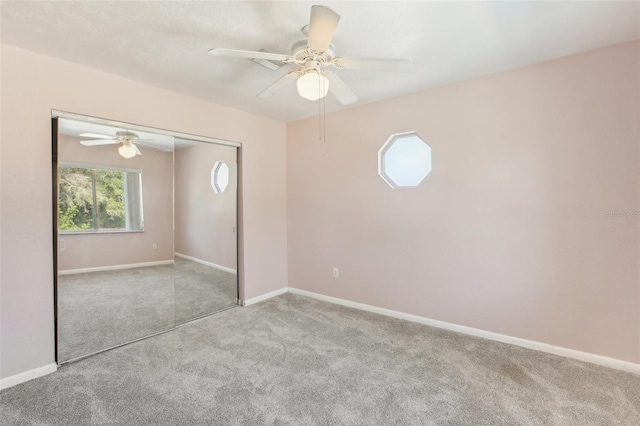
(145, 231)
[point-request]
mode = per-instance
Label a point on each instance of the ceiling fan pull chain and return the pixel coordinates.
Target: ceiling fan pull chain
(324, 117)
(319, 111)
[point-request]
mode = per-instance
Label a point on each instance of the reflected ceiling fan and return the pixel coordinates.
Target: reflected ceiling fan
(313, 56)
(126, 138)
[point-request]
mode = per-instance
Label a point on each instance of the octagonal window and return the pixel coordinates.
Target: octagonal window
(219, 177)
(404, 160)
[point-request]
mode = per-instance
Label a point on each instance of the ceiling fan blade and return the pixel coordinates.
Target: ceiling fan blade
(340, 90)
(95, 135)
(98, 142)
(322, 26)
(286, 79)
(383, 64)
(133, 145)
(248, 54)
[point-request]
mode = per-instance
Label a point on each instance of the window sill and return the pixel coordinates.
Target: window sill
(93, 231)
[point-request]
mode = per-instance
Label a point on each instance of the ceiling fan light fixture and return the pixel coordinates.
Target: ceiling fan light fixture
(127, 151)
(312, 85)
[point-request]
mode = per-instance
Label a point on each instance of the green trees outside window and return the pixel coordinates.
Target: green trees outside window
(98, 199)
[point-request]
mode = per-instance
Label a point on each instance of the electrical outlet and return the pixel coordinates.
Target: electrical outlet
(63, 245)
(155, 246)
(336, 273)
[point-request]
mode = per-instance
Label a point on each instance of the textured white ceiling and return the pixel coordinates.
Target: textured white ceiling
(166, 43)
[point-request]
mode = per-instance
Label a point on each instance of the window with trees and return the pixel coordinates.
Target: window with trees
(99, 199)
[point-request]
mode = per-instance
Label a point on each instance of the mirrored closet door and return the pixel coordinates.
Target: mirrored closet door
(146, 233)
(205, 234)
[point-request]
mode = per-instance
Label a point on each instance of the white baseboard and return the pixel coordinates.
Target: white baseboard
(265, 296)
(529, 344)
(10, 381)
(114, 267)
(204, 262)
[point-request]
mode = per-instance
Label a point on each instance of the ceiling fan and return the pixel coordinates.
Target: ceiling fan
(313, 56)
(126, 138)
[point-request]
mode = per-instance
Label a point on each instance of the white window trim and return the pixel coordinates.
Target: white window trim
(381, 159)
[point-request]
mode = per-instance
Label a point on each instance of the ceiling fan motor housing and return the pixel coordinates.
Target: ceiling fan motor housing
(125, 136)
(302, 53)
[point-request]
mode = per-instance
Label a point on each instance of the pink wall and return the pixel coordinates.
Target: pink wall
(205, 221)
(95, 250)
(32, 85)
(508, 233)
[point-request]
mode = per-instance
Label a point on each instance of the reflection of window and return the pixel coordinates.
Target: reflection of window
(219, 177)
(405, 160)
(99, 199)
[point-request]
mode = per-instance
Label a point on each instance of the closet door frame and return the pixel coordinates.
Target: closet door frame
(55, 116)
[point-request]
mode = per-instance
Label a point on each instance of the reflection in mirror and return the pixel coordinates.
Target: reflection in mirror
(115, 237)
(219, 177)
(132, 262)
(99, 198)
(205, 229)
